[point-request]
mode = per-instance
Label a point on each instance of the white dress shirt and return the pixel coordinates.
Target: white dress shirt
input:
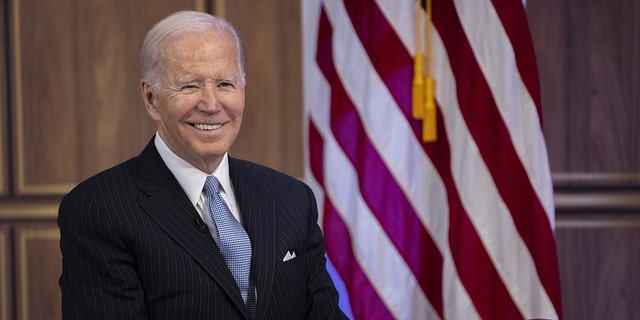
(191, 179)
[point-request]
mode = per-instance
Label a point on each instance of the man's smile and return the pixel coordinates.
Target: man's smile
(207, 127)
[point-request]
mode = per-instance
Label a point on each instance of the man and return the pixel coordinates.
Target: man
(152, 239)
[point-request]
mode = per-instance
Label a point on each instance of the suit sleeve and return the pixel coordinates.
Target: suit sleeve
(98, 280)
(322, 292)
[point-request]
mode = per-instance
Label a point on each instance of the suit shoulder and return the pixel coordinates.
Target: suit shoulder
(118, 176)
(262, 170)
(264, 174)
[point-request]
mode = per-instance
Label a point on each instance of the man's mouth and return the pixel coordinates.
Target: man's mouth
(206, 127)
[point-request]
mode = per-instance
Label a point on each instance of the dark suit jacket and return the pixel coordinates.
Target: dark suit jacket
(134, 247)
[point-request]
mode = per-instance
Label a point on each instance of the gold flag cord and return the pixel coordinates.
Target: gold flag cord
(423, 88)
(417, 89)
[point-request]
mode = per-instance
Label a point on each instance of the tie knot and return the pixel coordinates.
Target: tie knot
(212, 185)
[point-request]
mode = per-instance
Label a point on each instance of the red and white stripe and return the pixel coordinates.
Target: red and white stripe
(457, 229)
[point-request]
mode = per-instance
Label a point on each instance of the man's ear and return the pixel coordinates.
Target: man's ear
(149, 98)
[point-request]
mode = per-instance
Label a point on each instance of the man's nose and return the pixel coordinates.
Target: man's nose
(209, 99)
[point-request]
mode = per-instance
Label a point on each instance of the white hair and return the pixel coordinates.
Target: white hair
(179, 24)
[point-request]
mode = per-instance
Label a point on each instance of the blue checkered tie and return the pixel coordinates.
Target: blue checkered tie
(233, 242)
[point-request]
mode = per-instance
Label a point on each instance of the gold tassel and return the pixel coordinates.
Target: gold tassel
(423, 105)
(429, 125)
(417, 88)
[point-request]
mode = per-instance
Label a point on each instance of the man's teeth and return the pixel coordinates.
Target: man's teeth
(201, 126)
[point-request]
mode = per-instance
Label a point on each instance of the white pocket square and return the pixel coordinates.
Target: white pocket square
(290, 255)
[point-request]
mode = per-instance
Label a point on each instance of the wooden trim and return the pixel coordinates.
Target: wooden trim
(200, 5)
(220, 8)
(21, 186)
(595, 177)
(17, 96)
(598, 221)
(597, 192)
(23, 237)
(33, 209)
(3, 150)
(4, 280)
(4, 122)
(589, 201)
(3, 145)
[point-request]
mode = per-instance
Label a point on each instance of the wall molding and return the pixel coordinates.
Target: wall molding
(29, 209)
(4, 272)
(596, 192)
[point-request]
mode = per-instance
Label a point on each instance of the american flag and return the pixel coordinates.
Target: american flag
(460, 228)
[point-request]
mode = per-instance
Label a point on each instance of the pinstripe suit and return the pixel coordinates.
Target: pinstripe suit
(134, 247)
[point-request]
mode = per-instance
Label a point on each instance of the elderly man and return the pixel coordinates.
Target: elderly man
(183, 231)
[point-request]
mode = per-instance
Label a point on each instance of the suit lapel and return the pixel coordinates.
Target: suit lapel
(258, 214)
(166, 203)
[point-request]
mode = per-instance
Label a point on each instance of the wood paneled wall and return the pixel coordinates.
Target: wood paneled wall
(76, 104)
(70, 106)
(6, 302)
(272, 125)
(37, 263)
(589, 61)
(588, 55)
(4, 107)
(599, 260)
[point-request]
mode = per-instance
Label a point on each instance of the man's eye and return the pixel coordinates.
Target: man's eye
(189, 87)
(226, 85)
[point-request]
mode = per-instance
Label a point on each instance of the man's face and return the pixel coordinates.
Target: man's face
(199, 101)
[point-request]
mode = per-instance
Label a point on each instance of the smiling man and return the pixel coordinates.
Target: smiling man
(183, 231)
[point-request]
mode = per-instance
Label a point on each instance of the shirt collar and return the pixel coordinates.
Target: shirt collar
(190, 178)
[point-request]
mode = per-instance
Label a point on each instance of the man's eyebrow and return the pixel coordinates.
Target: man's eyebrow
(228, 79)
(186, 80)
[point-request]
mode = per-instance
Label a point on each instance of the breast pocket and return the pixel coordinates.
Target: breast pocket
(292, 274)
